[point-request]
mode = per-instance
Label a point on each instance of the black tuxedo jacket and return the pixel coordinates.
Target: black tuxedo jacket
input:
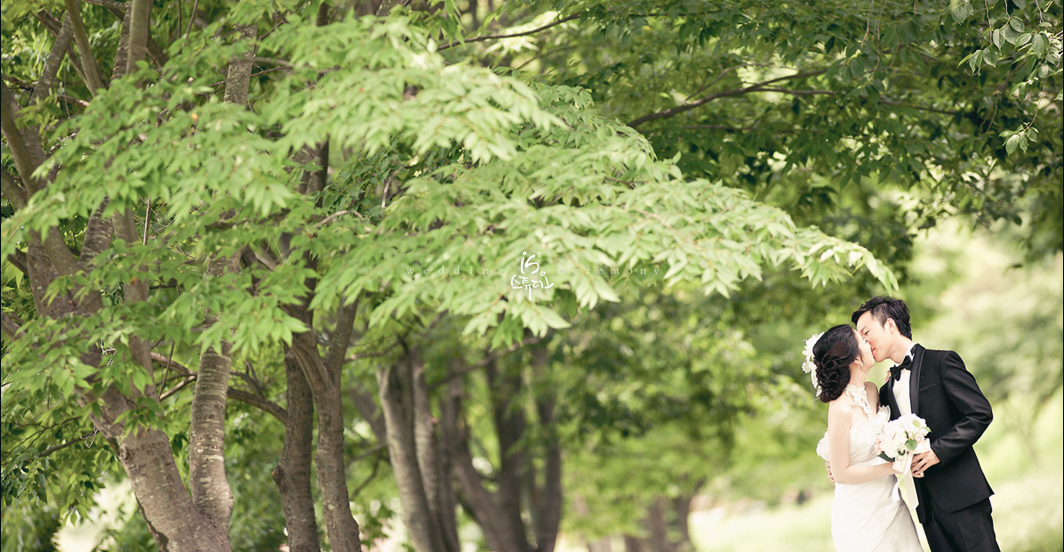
(946, 396)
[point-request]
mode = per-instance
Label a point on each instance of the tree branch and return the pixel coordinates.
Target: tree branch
(54, 60)
(238, 79)
(512, 35)
(11, 329)
(345, 326)
(138, 33)
(262, 403)
(109, 4)
(155, 52)
(890, 102)
(487, 360)
(88, 62)
(12, 191)
(53, 25)
(134, 290)
(257, 400)
(387, 6)
(122, 52)
(24, 162)
(375, 451)
(98, 234)
(717, 78)
(759, 87)
(335, 216)
(56, 448)
(19, 259)
(794, 92)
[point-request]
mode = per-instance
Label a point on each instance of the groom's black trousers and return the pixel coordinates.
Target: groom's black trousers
(967, 530)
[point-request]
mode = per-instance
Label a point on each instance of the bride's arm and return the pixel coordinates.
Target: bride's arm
(840, 416)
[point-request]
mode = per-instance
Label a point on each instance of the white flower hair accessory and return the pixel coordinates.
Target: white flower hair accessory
(808, 366)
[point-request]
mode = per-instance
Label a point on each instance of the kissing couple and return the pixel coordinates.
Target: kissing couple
(952, 496)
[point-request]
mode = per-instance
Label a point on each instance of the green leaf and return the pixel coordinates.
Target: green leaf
(1038, 44)
(1009, 34)
(1012, 143)
(990, 57)
(975, 60)
(960, 12)
(857, 67)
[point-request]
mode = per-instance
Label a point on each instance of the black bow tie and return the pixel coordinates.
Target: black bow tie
(895, 371)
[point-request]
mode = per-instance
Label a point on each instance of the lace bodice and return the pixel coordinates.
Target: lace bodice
(863, 432)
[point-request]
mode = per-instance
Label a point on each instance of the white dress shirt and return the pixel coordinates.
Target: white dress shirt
(901, 387)
(904, 400)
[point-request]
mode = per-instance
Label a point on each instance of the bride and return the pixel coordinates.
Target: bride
(865, 515)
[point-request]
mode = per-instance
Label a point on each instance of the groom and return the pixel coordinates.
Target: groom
(953, 493)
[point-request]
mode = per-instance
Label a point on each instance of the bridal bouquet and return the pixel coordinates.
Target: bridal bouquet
(901, 439)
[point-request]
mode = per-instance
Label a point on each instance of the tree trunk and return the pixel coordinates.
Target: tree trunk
(599, 545)
(479, 501)
(510, 425)
(122, 53)
(174, 521)
(367, 408)
(448, 504)
(396, 402)
(659, 536)
(138, 33)
(340, 524)
(238, 78)
(547, 498)
(428, 458)
(292, 474)
(207, 479)
(425, 434)
(210, 488)
(323, 377)
(682, 506)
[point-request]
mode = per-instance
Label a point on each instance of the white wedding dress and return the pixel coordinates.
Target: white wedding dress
(865, 517)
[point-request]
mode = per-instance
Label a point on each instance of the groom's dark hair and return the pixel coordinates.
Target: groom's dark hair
(883, 308)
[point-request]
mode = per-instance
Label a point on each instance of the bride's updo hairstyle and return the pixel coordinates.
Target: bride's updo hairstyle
(832, 355)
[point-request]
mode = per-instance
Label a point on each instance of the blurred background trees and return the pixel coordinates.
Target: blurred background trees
(319, 209)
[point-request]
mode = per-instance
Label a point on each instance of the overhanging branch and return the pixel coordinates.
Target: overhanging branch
(759, 87)
(454, 43)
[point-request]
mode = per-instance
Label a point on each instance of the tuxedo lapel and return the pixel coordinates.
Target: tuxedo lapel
(891, 400)
(914, 378)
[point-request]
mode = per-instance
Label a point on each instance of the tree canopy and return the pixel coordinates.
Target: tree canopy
(325, 218)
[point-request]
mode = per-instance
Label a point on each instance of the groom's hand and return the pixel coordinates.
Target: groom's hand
(923, 461)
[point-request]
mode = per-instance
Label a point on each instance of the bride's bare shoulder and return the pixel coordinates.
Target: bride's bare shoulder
(841, 405)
